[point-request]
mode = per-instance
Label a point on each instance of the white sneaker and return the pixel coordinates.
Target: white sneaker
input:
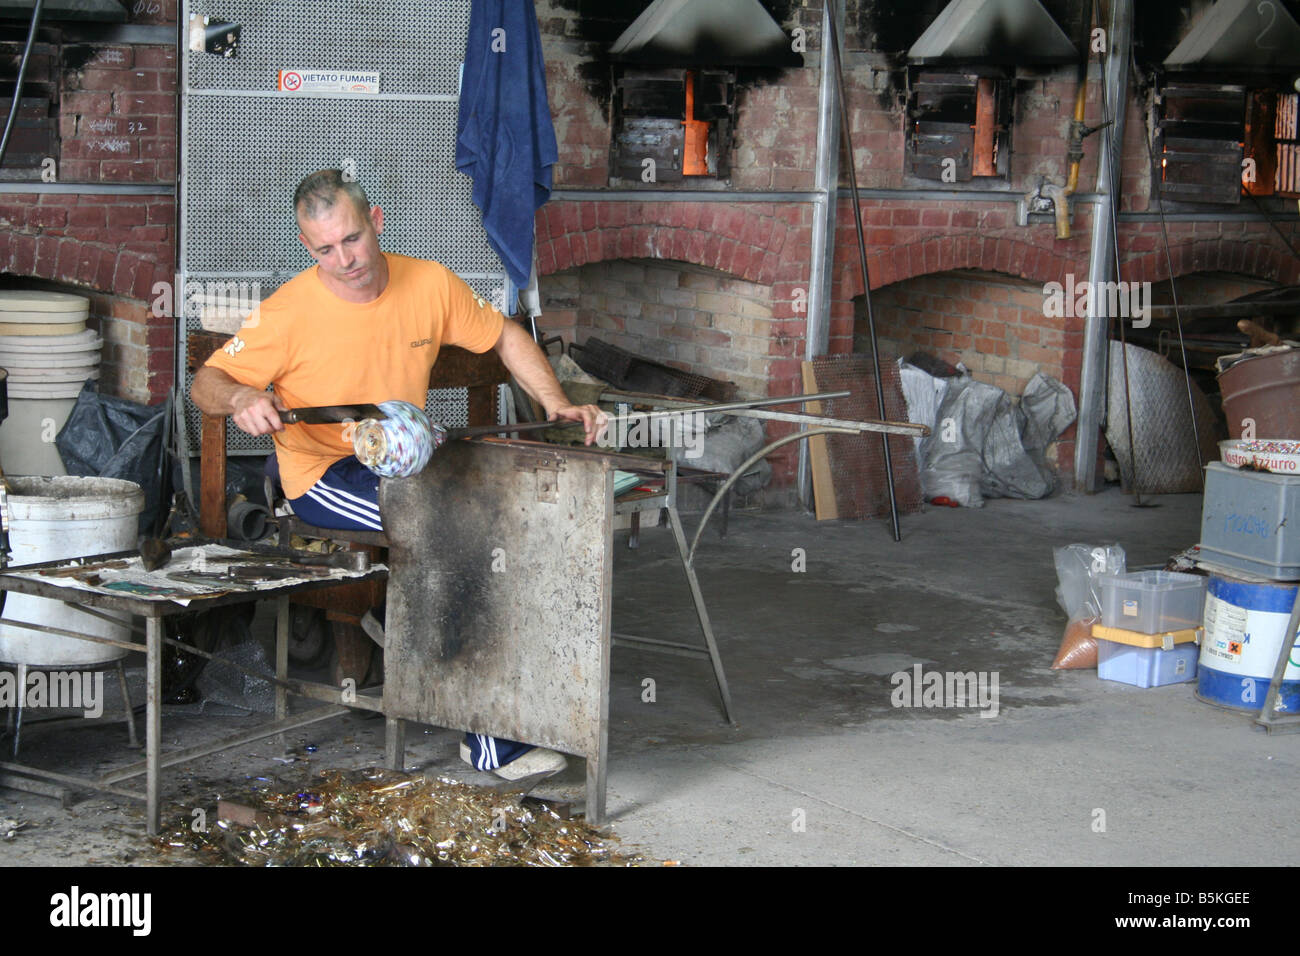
(539, 760)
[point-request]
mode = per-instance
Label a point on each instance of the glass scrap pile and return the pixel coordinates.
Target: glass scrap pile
(386, 818)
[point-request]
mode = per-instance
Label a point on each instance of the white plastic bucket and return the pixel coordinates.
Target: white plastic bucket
(56, 518)
(27, 435)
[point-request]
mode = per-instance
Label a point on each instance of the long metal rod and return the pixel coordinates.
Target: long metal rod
(756, 403)
(822, 254)
(799, 418)
(1177, 311)
(1268, 717)
(80, 782)
(1226, 310)
(91, 189)
(32, 785)
(153, 726)
(877, 427)
(474, 431)
(862, 257)
(261, 731)
(1093, 374)
(105, 616)
(701, 611)
(22, 75)
(139, 648)
(654, 644)
(749, 463)
(1112, 186)
(916, 194)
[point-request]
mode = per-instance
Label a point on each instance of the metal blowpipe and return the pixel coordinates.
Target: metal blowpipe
(474, 431)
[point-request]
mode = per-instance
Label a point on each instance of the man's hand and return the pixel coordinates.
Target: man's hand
(531, 368)
(257, 413)
(591, 418)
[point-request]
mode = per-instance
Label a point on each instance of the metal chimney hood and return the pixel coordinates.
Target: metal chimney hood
(994, 31)
(1240, 35)
(705, 33)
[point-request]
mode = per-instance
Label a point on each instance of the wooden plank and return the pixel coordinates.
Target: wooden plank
(212, 477)
(823, 490)
(456, 367)
(200, 346)
(985, 127)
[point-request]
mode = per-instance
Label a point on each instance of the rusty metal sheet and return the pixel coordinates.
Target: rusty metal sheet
(499, 595)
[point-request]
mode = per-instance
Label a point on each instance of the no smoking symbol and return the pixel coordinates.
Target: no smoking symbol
(292, 81)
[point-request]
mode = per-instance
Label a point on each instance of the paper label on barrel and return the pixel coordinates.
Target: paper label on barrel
(1130, 608)
(1244, 641)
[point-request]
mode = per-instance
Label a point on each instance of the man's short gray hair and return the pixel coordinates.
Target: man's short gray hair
(320, 191)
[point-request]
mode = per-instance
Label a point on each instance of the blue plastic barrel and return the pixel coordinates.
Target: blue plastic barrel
(1245, 625)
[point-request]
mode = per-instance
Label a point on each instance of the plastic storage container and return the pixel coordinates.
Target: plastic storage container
(1152, 602)
(1146, 666)
(1250, 521)
(1166, 640)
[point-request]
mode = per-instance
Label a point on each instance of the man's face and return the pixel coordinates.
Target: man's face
(346, 245)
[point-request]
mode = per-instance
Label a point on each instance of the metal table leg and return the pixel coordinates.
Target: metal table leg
(596, 782)
(126, 705)
(698, 596)
(153, 722)
(395, 743)
(281, 662)
(22, 699)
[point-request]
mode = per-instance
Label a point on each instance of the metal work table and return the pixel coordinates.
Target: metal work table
(500, 597)
(154, 610)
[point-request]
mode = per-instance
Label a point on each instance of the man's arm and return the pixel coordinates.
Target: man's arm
(528, 364)
(255, 411)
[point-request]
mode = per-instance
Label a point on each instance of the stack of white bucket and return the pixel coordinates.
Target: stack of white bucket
(49, 352)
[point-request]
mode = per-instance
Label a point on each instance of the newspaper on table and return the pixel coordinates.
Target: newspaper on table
(194, 572)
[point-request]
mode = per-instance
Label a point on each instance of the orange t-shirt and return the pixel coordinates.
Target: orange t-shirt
(317, 349)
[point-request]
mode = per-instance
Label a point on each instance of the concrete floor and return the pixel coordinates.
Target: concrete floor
(821, 768)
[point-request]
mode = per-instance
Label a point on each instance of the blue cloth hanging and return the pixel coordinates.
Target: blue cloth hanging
(505, 141)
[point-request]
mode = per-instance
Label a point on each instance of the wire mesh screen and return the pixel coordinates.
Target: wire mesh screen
(858, 462)
(246, 147)
(1164, 439)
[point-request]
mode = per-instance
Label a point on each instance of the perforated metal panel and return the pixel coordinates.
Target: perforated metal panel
(245, 147)
(416, 47)
(246, 157)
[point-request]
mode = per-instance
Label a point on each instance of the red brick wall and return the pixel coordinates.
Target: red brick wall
(769, 243)
(992, 324)
(694, 319)
(117, 120)
(117, 124)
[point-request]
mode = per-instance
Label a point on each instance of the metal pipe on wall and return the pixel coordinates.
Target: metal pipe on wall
(22, 75)
(826, 183)
(1101, 259)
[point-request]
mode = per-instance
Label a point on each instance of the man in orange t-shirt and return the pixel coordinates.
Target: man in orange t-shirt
(363, 326)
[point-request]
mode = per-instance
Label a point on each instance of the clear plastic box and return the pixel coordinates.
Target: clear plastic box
(1152, 601)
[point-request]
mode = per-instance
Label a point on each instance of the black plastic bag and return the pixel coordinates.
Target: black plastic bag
(108, 437)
